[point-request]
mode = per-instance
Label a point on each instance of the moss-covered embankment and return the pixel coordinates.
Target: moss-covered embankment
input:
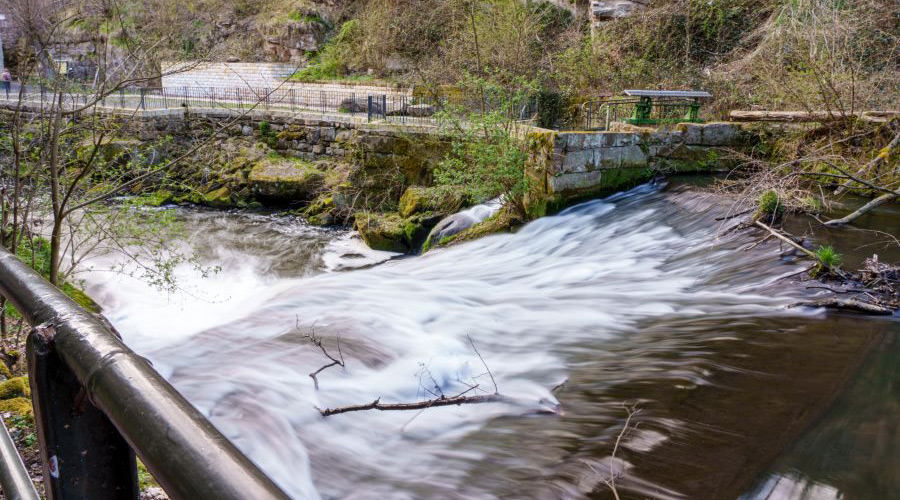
(378, 179)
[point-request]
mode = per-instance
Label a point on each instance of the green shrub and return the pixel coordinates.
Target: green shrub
(331, 62)
(770, 203)
(828, 256)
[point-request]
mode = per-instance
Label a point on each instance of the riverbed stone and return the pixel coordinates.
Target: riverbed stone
(382, 231)
(218, 198)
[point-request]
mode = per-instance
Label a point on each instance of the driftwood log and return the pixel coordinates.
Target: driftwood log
(810, 116)
(848, 305)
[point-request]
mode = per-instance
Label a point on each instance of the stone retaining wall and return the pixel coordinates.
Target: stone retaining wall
(568, 166)
(404, 150)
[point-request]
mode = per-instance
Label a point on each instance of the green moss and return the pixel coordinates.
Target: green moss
(417, 199)
(159, 198)
(219, 198)
(145, 479)
(81, 298)
(15, 388)
(20, 406)
(4, 371)
(382, 231)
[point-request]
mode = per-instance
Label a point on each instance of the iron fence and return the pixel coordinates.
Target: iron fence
(398, 107)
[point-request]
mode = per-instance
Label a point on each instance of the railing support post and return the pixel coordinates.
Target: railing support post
(84, 456)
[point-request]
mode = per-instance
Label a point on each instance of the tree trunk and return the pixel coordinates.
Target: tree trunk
(55, 195)
(809, 116)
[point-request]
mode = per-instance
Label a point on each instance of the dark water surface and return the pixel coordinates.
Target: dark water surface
(637, 302)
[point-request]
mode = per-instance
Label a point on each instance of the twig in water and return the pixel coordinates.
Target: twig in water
(496, 391)
(631, 411)
(318, 343)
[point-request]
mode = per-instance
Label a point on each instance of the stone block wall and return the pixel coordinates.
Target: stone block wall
(568, 166)
(407, 151)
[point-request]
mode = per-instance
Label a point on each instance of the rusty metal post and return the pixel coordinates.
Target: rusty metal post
(84, 456)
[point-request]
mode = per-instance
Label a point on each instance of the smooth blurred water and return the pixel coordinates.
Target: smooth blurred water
(641, 299)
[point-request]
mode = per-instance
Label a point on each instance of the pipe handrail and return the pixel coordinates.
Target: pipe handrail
(14, 477)
(186, 454)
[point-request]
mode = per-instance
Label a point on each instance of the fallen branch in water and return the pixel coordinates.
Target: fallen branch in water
(868, 207)
(808, 252)
(847, 305)
(787, 240)
(420, 405)
(334, 361)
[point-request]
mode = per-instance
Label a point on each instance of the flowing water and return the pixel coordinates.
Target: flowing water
(635, 303)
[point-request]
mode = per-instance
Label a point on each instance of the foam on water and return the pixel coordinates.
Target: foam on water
(535, 303)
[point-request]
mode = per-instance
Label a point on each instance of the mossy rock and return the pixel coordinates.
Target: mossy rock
(20, 406)
(218, 198)
(417, 228)
(15, 388)
(4, 371)
(285, 180)
(383, 231)
(158, 198)
(501, 222)
(418, 199)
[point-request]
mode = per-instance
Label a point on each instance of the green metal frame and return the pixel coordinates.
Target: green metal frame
(643, 112)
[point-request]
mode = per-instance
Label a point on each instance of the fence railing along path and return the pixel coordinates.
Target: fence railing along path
(396, 107)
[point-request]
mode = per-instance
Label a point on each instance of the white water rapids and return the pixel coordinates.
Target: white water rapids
(544, 305)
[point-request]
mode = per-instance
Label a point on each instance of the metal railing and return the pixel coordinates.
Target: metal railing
(395, 107)
(14, 477)
(95, 401)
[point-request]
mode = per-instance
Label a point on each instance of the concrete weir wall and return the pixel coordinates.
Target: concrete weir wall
(568, 166)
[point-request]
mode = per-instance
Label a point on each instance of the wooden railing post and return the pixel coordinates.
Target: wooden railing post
(84, 456)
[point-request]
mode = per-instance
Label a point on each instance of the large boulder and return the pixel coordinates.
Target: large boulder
(285, 180)
(394, 233)
(461, 221)
(382, 231)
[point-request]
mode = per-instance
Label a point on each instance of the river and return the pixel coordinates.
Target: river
(640, 302)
